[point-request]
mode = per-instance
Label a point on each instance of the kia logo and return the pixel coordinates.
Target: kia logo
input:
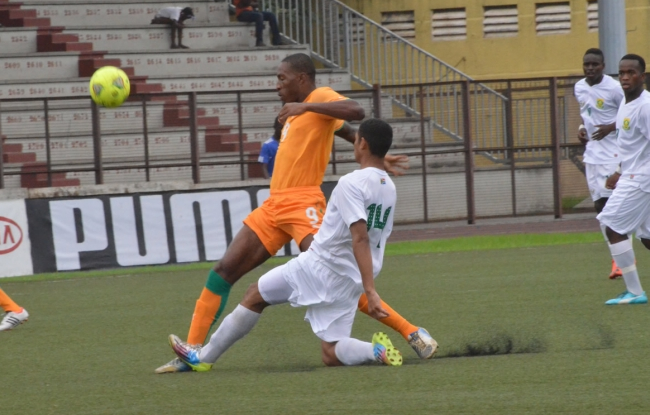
(11, 235)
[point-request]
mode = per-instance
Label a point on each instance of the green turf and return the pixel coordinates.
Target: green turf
(92, 343)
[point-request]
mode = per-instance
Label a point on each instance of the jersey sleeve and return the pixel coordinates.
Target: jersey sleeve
(351, 203)
(265, 154)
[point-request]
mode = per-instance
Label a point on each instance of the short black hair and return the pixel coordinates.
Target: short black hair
(302, 63)
(595, 51)
(378, 134)
(188, 12)
(633, 57)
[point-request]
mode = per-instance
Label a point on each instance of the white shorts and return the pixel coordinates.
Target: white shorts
(627, 210)
(597, 175)
(331, 299)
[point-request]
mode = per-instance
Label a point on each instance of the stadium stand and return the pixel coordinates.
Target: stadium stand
(50, 48)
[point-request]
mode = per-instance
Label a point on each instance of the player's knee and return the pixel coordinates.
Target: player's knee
(328, 354)
(330, 359)
(253, 299)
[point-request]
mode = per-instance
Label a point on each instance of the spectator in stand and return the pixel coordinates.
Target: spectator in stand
(174, 17)
(246, 11)
(269, 148)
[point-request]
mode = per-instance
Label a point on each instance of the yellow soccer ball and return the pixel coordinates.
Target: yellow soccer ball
(109, 87)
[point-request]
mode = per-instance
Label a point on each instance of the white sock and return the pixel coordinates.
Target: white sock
(623, 254)
(603, 229)
(353, 352)
(235, 326)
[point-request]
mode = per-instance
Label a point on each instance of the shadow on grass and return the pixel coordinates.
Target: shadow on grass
(495, 343)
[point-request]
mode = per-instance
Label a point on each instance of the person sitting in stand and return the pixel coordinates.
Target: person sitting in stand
(174, 17)
(246, 11)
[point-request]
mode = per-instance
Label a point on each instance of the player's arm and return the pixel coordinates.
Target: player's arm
(345, 109)
(603, 131)
(582, 134)
(361, 250)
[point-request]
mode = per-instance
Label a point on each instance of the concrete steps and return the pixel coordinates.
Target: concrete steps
(254, 81)
(180, 63)
(121, 12)
(129, 38)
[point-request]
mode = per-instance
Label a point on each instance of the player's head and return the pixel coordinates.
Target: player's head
(374, 136)
(296, 77)
(630, 73)
(186, 13)
(277, 129)
(593, 64)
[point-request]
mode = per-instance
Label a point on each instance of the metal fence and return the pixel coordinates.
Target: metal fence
(341, 37)
(520, 157)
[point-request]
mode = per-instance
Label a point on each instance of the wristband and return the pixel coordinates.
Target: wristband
(618, 169)
(581, 127)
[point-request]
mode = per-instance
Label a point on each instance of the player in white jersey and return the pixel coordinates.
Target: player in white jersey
(341, 264)
(628, 209)
(599, 96)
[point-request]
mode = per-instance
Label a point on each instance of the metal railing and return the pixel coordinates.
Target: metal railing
(341, 37)
(214, 137)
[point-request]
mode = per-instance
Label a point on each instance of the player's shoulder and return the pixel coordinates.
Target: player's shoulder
(268, 142)
(581, 84)
(367, 178)
(324, 94)
(644, 100)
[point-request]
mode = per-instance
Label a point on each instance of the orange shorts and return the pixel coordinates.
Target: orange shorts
(288, 214)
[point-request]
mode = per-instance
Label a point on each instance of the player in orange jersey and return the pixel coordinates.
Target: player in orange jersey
(295, 208)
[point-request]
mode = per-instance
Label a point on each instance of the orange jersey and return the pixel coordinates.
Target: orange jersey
(306, 145)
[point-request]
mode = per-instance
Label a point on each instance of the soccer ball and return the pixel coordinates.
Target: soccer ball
(109, 86)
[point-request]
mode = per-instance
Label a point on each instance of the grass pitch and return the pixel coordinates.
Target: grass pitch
(522, 330)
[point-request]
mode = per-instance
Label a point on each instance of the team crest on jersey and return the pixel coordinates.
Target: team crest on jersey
(626, 124)
(600, 103)
(382, 181)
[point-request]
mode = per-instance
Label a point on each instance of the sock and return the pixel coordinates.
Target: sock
(623, 254)
(352, 352)
(208, 307)
(235, 326)
(603, 229)
(394, 320)
(7, 304)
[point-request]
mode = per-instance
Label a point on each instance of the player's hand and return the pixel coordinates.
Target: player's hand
(601, 132)
(582, 136)
(291, 109)
(396, 164)
(375, 310)
(611, 181)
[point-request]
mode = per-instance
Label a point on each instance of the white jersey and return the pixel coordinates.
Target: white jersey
(367, 194)
(173, 13)
(633, 136)
(598, 105)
